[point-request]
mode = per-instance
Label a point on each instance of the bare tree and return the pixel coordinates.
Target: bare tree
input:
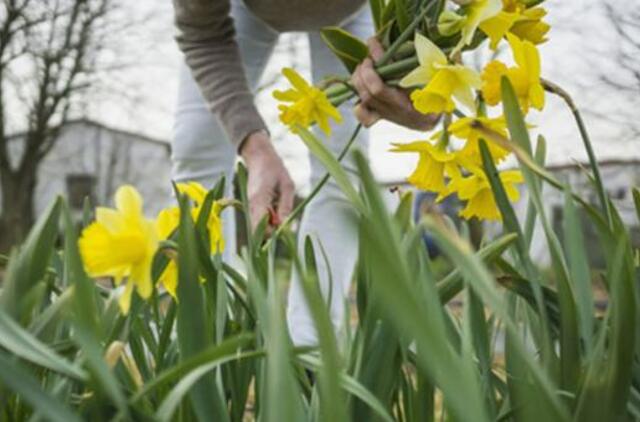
(624, 76)
(49, 50)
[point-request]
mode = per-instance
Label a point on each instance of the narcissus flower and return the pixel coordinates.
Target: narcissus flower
(463, 129)
(516, 18)
(476, 190)
(525, 77)
(169, 218)
(309, 105)
(442, 82)
(476, 12)
(197, 193)
(434, 163)
(121, 244)
(166, 223)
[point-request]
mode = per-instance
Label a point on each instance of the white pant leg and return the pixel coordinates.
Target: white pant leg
(200, 150)
(329, 219)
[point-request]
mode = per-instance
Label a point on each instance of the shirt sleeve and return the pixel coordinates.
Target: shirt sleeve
(206, 36)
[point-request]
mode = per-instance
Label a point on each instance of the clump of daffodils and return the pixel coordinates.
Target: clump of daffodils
(440, 83)
(121, 243)
(305, 105)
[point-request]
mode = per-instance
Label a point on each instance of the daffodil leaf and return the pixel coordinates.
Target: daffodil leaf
(636, 201)
(377, 7)
(332, 165)
(20, 342)
(29, 264)
(18, 378)
(349, 49)
(402, 14)
(192, 318)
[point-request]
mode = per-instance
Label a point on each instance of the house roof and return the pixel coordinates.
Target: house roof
(102, 126)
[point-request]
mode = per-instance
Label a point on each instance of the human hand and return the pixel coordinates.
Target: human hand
(269, 186)
(380, 101)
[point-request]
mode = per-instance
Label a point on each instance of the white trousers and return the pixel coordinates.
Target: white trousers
(201, 152)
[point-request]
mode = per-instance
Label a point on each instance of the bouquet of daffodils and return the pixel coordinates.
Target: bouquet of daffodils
(424, 41)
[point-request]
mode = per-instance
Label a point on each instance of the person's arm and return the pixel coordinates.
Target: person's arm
(206, 36)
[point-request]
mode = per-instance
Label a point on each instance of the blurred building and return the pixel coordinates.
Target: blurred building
(618, 176)
(92, 160)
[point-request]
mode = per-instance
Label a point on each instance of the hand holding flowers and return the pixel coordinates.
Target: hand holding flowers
(415, 91)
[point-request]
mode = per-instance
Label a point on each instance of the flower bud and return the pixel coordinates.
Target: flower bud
(450, 23)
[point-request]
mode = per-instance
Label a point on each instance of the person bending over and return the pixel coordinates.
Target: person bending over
(226, 45)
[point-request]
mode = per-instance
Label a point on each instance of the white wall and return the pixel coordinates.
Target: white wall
(113, 158)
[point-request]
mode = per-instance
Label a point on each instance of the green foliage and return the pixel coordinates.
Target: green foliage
(349, 49)
(222, 352)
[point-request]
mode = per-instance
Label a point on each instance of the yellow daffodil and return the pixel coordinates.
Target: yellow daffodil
(463, 129)
(197, 193)
(516, 18)
(476, 190)
(121, 244)
(476, 12)
(442, 82)
(309, 104)
(169, 218)
(166, 222)
(434, 163)
(525, 77)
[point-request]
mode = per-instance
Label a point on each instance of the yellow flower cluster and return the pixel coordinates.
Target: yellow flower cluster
(446, 171)
(122, 242)
(442, 83)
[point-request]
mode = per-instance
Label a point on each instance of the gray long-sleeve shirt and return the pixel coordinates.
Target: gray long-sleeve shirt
(206, 37)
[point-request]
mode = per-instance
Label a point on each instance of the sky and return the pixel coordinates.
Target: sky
(575, 56)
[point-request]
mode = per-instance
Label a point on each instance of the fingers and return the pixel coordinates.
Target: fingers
(259, 205)
(286, 198)
(375, 48)
(366, 116)
(372, 90)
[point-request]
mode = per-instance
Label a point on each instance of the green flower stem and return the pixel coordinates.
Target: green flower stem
(300, 207)
(586, 140)
(405, 34)
(341, 91)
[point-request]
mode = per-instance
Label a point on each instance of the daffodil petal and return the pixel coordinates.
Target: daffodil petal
(129, 201)
(125, 298)
(419, 76)
(428, 53)
(296, 80)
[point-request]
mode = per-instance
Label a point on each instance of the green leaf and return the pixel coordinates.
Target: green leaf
(21, 343)
(350, 50)
(85, 310)
(332, 165)
(415, 316)
(579, 267)
(101, 374)
(192, 318)
(453, 283)
(188, 381)
(352, 386)
(636, 201)
(29, 389)
(402, 14)
(331, 400)
(478, 277)
(376, 7)
(29, 264)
